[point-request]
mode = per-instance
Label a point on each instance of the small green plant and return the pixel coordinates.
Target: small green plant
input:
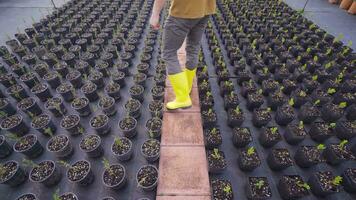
(337, 180)
(321, 146)
(118, 142)
(259, 91)
(48, 131)
(332, 125)
(269, 109)
(237, 110)
(265, 70)
(317, 102)
(12, 137)
(303, 185)
(331, 91)
(342, 105)
(63, 163)
(81, 130)
(342, 144)
(260, 184)
(216, 154)
(315, 58)
(2, 170)
(273, 130)
(315, 77)
(3, 114)
(214, 131)
(291, 102)
(227, 189)
(301, 124)
(29, 163)
(250, 151)
(302, 93)
(55, 195)
(339, 37)
(107, 167)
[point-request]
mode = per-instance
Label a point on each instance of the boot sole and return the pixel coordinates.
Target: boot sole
(183, 108)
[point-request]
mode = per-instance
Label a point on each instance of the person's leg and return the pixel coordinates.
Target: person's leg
(174, 34)
(192, 48)
(175, 31)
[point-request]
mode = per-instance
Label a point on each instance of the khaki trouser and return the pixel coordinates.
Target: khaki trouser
(175, 31)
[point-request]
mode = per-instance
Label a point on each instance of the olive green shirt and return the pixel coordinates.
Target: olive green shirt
(192, 9)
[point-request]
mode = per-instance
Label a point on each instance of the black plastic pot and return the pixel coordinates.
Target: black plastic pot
(48, 129)
(32, 151)
(150, 158)
(124, 156)
(305, 160)
(83, 110)
(76, 128)
(64, 151)
(26, 196)
(87, 178)
(6, 109)
(241, 136)
(68, 93)
(288, 187)
(52, 178)
(153, 185)
(97, 149)
(344, 130)
(294, 134)
(318, 189)
(32, 109)
(109, 109)
(18, 177)
(18, 129)
(129, 133)
(43, 94)
(57, 109)
(120, 184)
(5, 148)
(348, 180)
(277, 165)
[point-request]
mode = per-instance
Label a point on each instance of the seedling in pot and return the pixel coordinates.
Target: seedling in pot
(107, 167)
(250, 151)
(55, 195)
(331, 91)
(29, 163)
(291, 102)
(337, 181)
(321, 147)
(343, 105)
(216, 154)
(260, 184)
(303, 185)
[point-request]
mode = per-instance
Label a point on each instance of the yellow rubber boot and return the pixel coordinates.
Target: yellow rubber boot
(181, 90)
(190, 77)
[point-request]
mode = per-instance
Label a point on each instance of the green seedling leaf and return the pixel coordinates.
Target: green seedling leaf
(250, 151)
(227, 189)
(331, 91)
(55, 195)
(303, 185)
(317, 102)
(301, 124)
(291, 102)
(337, 180)
(321, 146)
(342, 105)
(63, 163)
(315, 77)
(28, 163)
(315, 58)
(342, 144)
(216, 154)
(332, 125)
(274, 130)
(260, 184)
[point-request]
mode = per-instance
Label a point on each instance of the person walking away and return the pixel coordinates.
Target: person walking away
(186, 21)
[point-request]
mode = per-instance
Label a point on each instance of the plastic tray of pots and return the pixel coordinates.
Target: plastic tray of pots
(335, 154)
(12, 173)
(67, 91)
(71, 123)
(28, 145)
(321, 131)
(269, 136)
(324, 183)
(133, 108)
(147, 177)
(122, 148)
(128, 125)
(5, 148)
(216, 161)
(209, 118)
(30, 79)
(81, 105)
(45, 172)
(89, 90)
(91, 145)
(114, 176)
(56, 106)
(221, 189)
(60, 146)
(17, 91)
(349, 180)
(29, 106)
(27, 196)
(80, 172)
(15, 125)
(248, 159)
(97, 78)
(136, 92)
(308, 156)
(43, 124)
(6, 108)
(279, 159)
(241, 136)
(292, 187)
(107, 105)
(42, 91)
(100, 123)
(150, 150)
(258, 188)
(113, 90)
